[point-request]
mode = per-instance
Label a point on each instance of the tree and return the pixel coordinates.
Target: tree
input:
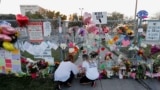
(73, 17)
(116, 16)
(157, 15)
(50, 14)
(63, 17)
(36, 15)
(7, 17)
(57, 14)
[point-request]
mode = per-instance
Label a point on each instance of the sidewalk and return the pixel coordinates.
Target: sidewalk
(108, 84)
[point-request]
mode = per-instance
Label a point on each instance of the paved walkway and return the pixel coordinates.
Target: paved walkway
(108, 84)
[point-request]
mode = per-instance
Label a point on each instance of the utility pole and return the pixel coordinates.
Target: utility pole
(135, 20)
(81, 9)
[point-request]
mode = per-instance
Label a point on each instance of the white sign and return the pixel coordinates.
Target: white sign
(22, 31)
(99, 17)
(153, 31)
(35, 31)
(140, 29)
(45, 54)
(47, 28)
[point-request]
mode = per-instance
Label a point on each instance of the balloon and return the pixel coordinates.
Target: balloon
(6, 29)
(8, 46)
(22, 20)
(6, 32)
(91, 28)
(4, 37)
(86, 18)
(5, 23)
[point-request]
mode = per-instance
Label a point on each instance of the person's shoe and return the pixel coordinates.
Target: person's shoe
(58, 87)
(93, 84)
(69, 84)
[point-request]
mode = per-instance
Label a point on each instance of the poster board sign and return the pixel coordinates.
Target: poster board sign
(10, 61)
(153, 31)
(46, 55)
(99, 16)
(47, 29)
(35, 31)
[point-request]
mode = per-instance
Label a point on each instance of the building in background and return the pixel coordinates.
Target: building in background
(31, 8)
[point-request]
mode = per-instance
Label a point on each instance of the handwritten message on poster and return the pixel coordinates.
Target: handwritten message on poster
(10, 62)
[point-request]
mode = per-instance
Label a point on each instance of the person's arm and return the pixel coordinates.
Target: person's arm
(74, 69)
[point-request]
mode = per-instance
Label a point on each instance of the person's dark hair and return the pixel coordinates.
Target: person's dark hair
(69, 58)
(93, 54)
(105, 58)
(85, 56)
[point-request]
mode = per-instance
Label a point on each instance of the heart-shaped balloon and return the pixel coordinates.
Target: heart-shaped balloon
(22, 20)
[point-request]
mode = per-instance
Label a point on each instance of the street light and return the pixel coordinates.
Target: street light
(81, 9)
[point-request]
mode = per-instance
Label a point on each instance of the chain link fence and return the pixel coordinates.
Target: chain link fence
(54, 36)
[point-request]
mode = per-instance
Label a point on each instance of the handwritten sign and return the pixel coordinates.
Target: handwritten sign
(35, 31)
(153, 31)
(99, 17)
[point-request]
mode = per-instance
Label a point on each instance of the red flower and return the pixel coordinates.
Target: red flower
(102, 48)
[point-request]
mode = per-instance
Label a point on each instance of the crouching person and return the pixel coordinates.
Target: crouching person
(65, 73)
(90, 70)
